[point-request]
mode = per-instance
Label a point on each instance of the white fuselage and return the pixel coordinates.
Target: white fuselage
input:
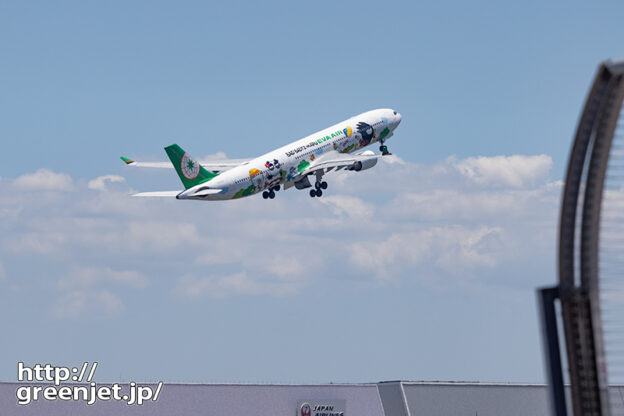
(283, 165)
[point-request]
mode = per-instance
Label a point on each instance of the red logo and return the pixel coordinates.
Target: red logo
(306, 410)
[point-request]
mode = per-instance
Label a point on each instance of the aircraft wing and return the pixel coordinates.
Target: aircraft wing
(169, 194)
(334, 160)
(213, 165)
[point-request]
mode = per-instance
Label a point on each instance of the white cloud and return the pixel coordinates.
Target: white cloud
(460, 205)
(242, 283)
(76, 302)
(445, 222)
(215, 156)
(161, 235)
(516, 171)
(394, 159)
(100, 183)
(80, 276)
(91, 289)
(44, 180)
(113, 234)
(43, 242)
(464, 250)
(285, 267)
(350, 206)
(456, 250)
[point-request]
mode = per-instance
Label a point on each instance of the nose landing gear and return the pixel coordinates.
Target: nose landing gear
(384, 149)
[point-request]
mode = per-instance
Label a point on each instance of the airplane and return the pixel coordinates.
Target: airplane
(333, 148)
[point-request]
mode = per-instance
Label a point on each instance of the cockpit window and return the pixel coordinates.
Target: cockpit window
(394, 113)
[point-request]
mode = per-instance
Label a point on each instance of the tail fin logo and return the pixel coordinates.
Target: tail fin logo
(189, 167)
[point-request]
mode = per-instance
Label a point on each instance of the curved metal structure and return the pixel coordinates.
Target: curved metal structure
(579, 241)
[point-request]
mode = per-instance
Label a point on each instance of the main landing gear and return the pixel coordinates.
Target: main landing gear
(271, 192)
(318, 189)
(319, 185)
(384, 149)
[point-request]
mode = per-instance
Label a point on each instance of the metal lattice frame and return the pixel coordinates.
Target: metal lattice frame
(578, 263)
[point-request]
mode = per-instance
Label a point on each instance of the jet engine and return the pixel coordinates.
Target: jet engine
(363, 165)
(303, 183)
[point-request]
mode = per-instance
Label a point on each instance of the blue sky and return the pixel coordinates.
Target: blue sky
(424, 268)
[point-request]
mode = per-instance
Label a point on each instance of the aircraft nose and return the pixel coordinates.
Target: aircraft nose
(396, 119)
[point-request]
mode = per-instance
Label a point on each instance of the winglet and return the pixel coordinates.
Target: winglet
(126, 160)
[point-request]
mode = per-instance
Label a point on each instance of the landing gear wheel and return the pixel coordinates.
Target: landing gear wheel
(384, 150)
(271, 194)
(317, 185)
(275, 188)
(312, 193)
(265, 194)
(324, 185)
(319, 193)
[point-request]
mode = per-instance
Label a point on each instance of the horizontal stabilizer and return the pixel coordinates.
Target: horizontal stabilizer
(162, 165)
(158, 194)
(213, 165)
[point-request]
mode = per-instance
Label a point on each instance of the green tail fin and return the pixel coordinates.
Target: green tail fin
(191, 173)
